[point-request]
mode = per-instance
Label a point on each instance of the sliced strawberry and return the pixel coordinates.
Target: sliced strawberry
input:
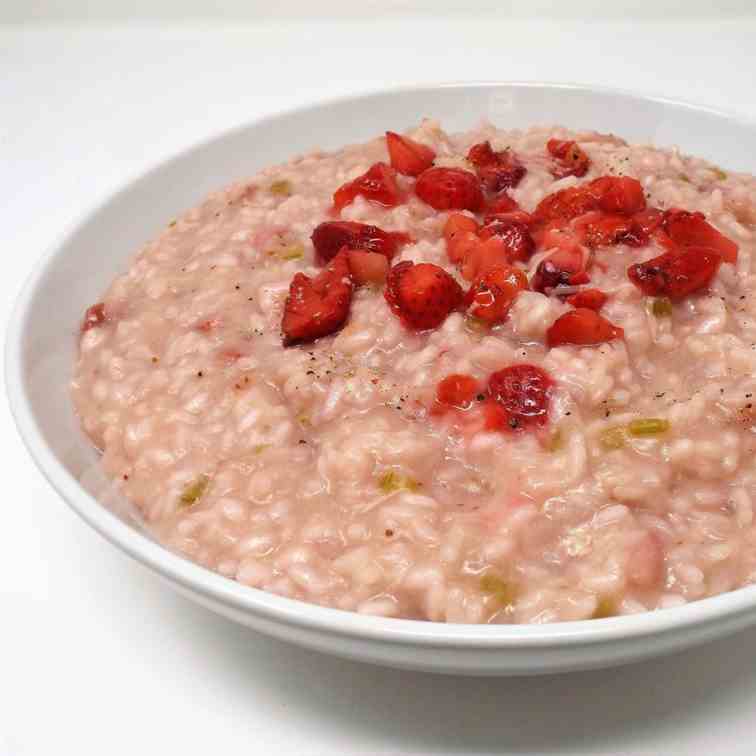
(457, 391)
(592, 299)
(676, 274)
(496, 170)
(449, 189)
(367, 267)
(692, 230)
(377, 184)
(502, 203)
(408, 156)
(491, 296)
(514, 235)
(523, 395)
(421, 295)
(317, 306)
(571, 159)
(329, 237)
(565, 267)
(582, 326)
(94, 317)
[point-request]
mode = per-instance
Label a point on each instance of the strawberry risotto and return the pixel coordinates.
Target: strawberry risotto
(493, 377)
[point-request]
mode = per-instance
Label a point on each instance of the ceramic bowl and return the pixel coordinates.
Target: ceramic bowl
(41, 346)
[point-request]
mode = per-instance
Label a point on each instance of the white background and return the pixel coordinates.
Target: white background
(96, 656)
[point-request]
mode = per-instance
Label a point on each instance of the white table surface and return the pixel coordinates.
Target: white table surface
(97, 656)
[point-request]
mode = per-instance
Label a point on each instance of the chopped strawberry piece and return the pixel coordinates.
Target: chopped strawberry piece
(496, 170)
(457, 391)
(593, 299)
(421, 295)
(565, 267)
(619, 194)
(661, 238)
(523, 394)
(582, 326)
(502, 203)
(565, 205)
(598, 229)
(461, 246)
(484, 256)
(449, 189)
(408, 156)
(94, 317)
(461, 234)
(459, 223)
(612, 194)
(555, 234)
(676, 274)
(571, 159)
(367, 267)
(515, 236)
(329, 237)
(580, 278)
(317, 306)
(516, 216)
(481, 154)
(648, 220)
(377, 184)
(692, 230)
(495, 417)
(491, 296)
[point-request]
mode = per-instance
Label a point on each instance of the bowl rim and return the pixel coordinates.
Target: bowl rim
(292, 612)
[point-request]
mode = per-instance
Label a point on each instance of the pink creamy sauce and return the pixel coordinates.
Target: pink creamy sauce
(320, 471)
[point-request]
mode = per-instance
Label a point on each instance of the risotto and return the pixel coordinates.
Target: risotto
(490, 377)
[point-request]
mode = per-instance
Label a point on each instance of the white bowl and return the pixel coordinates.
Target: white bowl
(42, 338)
